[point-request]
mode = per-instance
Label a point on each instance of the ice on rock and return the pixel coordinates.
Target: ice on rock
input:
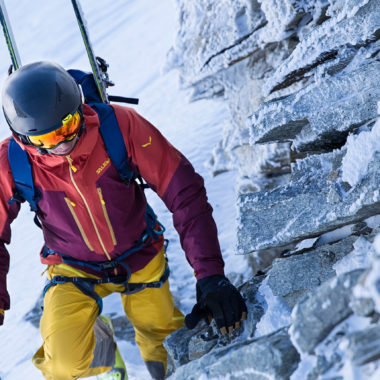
(301, 82)
(344, 8)
(355, 163)
(324, 42)
(219, 26)
(361, 257)
(320, 116)
(301, 209)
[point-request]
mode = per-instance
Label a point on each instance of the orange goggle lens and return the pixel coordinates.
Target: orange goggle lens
(67, 132)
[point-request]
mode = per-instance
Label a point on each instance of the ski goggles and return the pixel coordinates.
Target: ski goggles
(67, 132)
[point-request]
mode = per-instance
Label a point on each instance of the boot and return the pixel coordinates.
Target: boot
(118, 371)
(156, 370)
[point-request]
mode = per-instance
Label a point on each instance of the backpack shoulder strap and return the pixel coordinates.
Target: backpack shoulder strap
(22, 176)
(114, 142)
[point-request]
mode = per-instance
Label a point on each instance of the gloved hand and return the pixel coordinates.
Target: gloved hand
(1, 316)
(218, 298)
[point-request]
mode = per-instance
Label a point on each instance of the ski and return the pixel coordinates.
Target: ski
(9, 38)
(100, 76)
(98, 65)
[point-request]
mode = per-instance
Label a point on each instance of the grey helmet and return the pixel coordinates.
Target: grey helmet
(38, 96)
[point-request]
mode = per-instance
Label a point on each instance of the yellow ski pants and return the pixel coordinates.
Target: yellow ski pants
(69, 318)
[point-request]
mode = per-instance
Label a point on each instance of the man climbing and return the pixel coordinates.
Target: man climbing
(100, 234)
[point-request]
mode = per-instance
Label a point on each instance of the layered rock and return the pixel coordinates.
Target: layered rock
(319, 312)
(186, 345)
(316, 200)
(253, 51)
(319, 117)
(294, 276)
(271, 357)
(301, 81)
(350, 26)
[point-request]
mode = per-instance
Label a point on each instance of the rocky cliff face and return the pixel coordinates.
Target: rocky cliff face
(301, 79)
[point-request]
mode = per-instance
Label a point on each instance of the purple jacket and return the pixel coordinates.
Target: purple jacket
(88, 213)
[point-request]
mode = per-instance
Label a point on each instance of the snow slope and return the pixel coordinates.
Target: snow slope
(134, 37)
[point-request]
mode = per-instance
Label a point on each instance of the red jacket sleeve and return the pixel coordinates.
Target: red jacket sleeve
(174, 179)
(7, 214)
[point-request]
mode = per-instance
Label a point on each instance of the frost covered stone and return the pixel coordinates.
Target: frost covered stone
(177, 343)
(284, 16)
(325, 42)
(300, 81)
(364, 346)
(220, 29)
(355, 163)
(321, 310)
(292, 277)
(272, 356)
(319, 117)
(370, 288)
(302, 208)
(255, 304)
(186, 345)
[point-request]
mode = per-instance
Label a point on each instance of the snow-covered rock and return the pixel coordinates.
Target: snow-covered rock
(319, 117)
(315, 201)
(186, 345)
(320, 311)
(272, 356)
(292, 277)
(301, 82)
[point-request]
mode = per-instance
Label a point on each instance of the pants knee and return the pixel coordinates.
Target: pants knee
(61, 363)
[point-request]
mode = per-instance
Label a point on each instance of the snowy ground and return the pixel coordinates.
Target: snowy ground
(134, 36)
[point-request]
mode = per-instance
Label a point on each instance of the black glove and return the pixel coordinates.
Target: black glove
(218, 298)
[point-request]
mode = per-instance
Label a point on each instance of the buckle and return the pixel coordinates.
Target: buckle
(59, 280)
(155, 285)
(134, 288)
(16, 197)
(107, 265)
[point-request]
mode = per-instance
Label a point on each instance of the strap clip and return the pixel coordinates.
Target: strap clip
(108, 265)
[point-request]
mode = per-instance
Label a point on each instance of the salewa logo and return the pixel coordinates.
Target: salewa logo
(104, 164)
(148, 143)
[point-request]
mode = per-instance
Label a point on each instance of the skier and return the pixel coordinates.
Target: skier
(91, 218)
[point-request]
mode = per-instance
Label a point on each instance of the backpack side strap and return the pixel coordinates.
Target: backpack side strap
(22, 175)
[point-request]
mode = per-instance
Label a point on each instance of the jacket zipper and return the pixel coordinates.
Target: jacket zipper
(106, 216)
(72, 169)
(84, 236)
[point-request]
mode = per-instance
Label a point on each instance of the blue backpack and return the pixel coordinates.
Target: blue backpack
(113, 140)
